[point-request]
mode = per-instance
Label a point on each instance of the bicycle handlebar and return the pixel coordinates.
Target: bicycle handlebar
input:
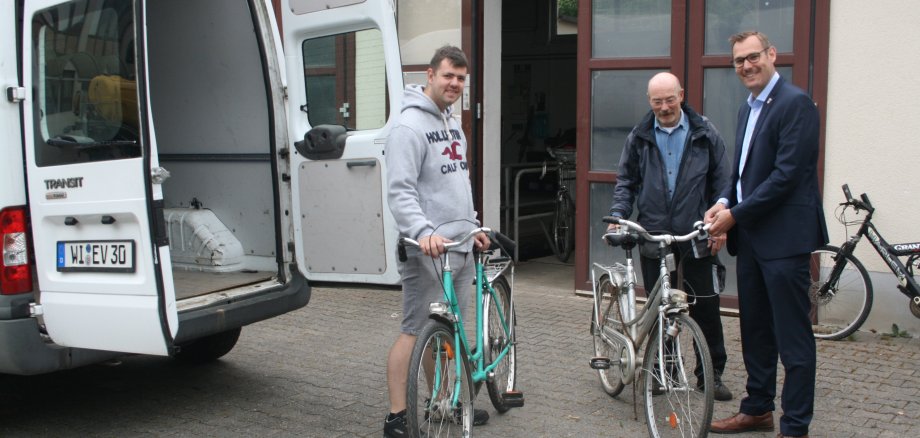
(862, 203)
(700, 228)
(504, 242)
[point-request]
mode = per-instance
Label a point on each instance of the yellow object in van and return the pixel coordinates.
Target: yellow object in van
(114, 99)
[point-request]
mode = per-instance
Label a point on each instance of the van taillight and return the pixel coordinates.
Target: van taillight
(15, 271)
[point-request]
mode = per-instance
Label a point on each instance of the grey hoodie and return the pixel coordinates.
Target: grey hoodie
(428, 180)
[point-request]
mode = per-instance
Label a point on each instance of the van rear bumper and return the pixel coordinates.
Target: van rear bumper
(229, 315)
(23, 351)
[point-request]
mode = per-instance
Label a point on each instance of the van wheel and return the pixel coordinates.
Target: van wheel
(208, 348)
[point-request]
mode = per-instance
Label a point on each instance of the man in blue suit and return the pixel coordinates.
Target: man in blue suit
(774, 219)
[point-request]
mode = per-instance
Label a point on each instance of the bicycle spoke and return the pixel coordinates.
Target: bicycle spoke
(842, 303)
(612, 378)
(681, 368)
(499, 328)
(438, 398)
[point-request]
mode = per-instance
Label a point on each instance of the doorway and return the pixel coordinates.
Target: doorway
(538, 91)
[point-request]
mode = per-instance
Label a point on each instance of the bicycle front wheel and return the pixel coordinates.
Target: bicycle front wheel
(563, 227)
(438, 397)
(498, 325)
(609, 309)
(840, 293)
(678, 369)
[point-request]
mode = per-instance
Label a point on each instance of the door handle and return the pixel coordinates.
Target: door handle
(108, 220)
(369, 163)
(70, 221)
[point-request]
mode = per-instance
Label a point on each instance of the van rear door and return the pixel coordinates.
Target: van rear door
(93, 179)
(344, 87)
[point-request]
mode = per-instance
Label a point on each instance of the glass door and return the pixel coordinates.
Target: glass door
(630, 41)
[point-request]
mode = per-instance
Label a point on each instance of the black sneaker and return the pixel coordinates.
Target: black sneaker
(480, 417)
(720, 392)
(394, 425)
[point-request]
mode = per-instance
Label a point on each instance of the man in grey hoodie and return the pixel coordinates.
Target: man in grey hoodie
(431, 199)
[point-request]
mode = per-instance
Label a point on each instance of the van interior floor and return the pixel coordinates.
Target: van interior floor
(193, 283)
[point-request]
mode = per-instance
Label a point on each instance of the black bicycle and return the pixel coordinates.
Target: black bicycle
(841, 290)
(563, 238)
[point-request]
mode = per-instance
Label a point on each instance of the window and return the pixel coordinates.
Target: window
(346, 80)
(619, 102)
(626, 28)
(426, 25)
(632, 40)
(86, 108)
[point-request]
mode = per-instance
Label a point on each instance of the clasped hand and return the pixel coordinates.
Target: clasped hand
(433, 245)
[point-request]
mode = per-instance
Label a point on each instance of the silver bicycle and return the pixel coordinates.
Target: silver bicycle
(676, 370)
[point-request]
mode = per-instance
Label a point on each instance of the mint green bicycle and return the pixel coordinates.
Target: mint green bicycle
(445, 374)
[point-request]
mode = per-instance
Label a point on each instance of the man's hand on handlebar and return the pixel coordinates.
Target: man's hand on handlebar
(716, 243)
(433, 245)
(481, 241)
(721, 219)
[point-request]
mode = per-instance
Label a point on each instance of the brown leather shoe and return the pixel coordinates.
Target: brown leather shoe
(740, 422)
(780, 435)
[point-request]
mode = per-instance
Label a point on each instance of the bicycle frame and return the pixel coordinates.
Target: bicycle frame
(637, 326)
(906, 283)
(449, 310)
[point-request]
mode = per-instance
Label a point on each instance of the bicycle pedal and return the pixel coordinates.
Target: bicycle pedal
(600, 363)
(513, 399)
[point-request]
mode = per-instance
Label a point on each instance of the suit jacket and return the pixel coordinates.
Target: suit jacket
(781, 210)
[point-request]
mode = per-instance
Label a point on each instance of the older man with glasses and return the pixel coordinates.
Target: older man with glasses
(673, 167)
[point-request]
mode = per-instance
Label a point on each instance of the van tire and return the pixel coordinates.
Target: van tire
(208, 348)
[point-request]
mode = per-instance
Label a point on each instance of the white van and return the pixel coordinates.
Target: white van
(154, 198)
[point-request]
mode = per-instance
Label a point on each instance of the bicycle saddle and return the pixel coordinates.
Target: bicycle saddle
(626, 241)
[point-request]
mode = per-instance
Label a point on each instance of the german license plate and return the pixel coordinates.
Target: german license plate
(95, 256)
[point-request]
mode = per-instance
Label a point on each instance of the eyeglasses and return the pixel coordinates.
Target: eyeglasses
(752, 58)
(668, 101)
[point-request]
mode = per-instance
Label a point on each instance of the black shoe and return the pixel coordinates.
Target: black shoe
(720, 392)
(480, 417)
(394, 426)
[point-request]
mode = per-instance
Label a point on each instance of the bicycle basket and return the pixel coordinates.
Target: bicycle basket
(492, 269)
(564, 155)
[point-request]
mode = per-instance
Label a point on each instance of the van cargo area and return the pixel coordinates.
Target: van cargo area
(212, 122)
(154, 216)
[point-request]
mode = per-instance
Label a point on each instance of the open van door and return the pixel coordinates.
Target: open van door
(344, 89)
(93, 179)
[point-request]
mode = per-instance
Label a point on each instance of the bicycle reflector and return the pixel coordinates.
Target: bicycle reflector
(15, 271)
(673, 421)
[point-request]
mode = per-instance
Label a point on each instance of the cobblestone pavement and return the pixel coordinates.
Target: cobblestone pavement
(319, 372)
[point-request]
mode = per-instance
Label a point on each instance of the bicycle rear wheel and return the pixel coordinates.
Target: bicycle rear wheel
(497, 315)
(609, 309)
(563, 227)
(434, 384)
(681, 367)
(840, 304)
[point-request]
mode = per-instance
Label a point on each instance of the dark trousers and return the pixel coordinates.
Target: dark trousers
(698, 281)
(774, 306)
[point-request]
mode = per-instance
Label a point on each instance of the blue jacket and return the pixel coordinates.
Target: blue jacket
(702, 177)
(781, 209)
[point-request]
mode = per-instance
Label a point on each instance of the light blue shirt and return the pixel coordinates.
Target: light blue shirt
(756, 105)
(671, 142)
